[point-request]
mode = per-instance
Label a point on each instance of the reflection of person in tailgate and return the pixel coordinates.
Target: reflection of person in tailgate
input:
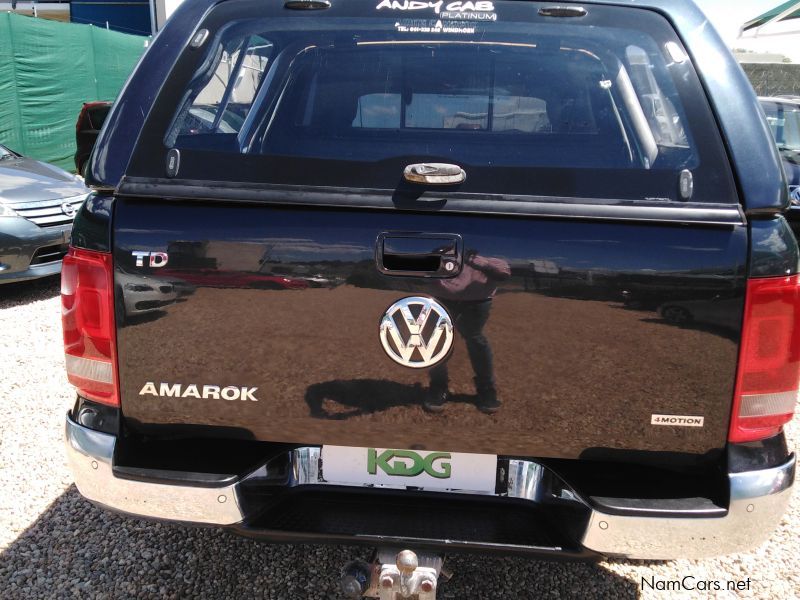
(468, 299)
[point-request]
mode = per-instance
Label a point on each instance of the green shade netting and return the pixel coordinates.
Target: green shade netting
(48, 69)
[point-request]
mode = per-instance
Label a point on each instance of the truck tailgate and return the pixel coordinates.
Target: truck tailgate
(267, 327)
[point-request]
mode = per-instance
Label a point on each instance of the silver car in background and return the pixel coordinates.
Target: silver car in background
(38, 202)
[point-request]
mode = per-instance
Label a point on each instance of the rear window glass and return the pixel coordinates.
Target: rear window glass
(223, 91)
(491, 92)
(606, 106)
(784, 120)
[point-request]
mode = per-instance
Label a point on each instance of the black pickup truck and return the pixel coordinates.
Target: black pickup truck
(501, 276)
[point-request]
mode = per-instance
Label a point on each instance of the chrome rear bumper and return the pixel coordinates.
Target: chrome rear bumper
(91, 454)
(758, 500)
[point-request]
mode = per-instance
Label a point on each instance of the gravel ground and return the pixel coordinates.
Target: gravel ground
(54, 544)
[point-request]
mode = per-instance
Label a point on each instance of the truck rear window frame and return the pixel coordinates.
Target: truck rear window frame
(231, 173)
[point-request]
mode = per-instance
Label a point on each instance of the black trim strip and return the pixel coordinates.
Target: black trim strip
(435, 545)
(665, 508)
(167, 477)
(419, 199)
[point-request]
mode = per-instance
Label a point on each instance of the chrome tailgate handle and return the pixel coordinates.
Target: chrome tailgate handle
(434, 173)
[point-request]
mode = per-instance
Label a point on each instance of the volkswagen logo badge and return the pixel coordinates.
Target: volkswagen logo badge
(417, 332)
(68, 209)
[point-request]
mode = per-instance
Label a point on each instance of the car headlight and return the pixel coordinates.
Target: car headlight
(5, 211)
(796, 196)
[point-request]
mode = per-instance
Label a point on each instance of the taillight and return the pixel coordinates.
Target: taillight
(769, 359)
(87, 316)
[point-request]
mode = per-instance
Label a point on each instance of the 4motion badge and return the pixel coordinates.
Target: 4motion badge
(416, 332)
(678, 420)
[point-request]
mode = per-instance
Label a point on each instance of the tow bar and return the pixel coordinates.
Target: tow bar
(394, 575)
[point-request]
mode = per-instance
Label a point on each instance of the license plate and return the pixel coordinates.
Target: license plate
(387, 467)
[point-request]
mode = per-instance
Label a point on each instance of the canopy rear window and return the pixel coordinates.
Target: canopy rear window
(603, 106)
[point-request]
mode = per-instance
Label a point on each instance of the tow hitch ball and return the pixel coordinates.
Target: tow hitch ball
(394, 575)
